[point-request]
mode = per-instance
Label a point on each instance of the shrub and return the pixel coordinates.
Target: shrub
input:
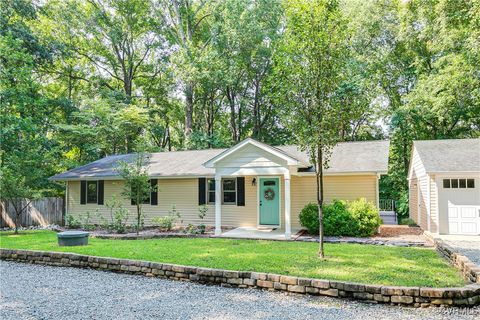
(87, 221)
(337, 219)
(366, 215)
(358, 218)
(72, 222)
(118, 216)
(167, 222)
(202, 212)
(408, 221)
(309, 218)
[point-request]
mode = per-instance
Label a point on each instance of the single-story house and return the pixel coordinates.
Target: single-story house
(251, 184)
(444, 186)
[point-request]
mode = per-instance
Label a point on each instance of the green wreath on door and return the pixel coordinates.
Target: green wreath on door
(269, 194)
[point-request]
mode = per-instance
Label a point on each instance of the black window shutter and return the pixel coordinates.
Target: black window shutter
(202, 185)
(100, 192)
(83, 192)
(241, 191)
(154, 193)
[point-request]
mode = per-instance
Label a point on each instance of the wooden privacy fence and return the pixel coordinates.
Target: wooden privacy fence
(41, 212)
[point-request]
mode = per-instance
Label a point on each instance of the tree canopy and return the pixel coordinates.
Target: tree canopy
(80, 80)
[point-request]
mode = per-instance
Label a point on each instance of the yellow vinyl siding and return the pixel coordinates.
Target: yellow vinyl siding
(183, 193)
(352, 187)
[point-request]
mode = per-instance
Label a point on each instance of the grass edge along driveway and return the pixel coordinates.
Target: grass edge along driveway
(369, 264)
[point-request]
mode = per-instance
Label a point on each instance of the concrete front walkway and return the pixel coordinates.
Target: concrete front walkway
(466, 245)
(257, 233)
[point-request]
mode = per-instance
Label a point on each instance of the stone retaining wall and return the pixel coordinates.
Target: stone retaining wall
(411, 296)
(469, 270)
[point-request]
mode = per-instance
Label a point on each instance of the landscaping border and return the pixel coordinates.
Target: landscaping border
(299, 238)
(466, 296)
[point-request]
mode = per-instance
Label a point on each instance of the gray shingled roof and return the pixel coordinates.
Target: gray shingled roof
(348, 157)
(453, 155)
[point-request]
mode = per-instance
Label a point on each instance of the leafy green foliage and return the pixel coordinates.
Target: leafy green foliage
(313, 53)
(72, 222)
(136, 185)
(402, 208)
(408, 221)
(167, 222)
(118, 216)
(86, 220)
(81, 80)
(357, 218)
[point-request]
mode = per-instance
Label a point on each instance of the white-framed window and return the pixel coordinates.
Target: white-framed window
(229, 191)
(458, 183)
(210, 191)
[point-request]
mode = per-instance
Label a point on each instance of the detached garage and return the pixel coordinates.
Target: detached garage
(444, 186)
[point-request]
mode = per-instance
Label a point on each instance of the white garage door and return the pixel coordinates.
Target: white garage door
(463, 219)
(459, 205)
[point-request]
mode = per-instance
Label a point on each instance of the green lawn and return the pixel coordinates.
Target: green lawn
(348, 262)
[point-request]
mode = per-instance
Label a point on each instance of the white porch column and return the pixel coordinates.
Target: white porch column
(218, 205)
(288, 227)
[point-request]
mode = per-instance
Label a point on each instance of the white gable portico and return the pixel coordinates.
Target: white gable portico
(270, 167)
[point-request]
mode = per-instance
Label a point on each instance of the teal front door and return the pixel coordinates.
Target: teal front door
(269, 201)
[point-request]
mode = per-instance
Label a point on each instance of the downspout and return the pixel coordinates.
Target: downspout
(66, 203)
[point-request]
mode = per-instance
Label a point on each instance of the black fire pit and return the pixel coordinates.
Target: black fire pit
(72, 238)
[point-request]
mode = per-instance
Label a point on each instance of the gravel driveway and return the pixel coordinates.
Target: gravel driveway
(44, 292)
(466, 245)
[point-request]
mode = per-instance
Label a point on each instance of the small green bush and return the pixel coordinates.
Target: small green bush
(366, 215)
(337, 220)
(357, 218)
(72, 222)
(167, 222)
(87, 221)
(118, 216)
(408, 221)
(309, 218)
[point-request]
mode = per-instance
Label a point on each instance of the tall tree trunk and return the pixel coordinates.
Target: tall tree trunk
(233, 126)
(127, 87)
(319, 179)
(188, 110)
(256, 113)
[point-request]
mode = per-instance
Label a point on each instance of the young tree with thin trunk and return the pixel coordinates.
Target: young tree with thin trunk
(137, 185)
(310, 62)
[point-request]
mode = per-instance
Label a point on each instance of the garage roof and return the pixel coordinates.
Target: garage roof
(347, 157)
(452, 155)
